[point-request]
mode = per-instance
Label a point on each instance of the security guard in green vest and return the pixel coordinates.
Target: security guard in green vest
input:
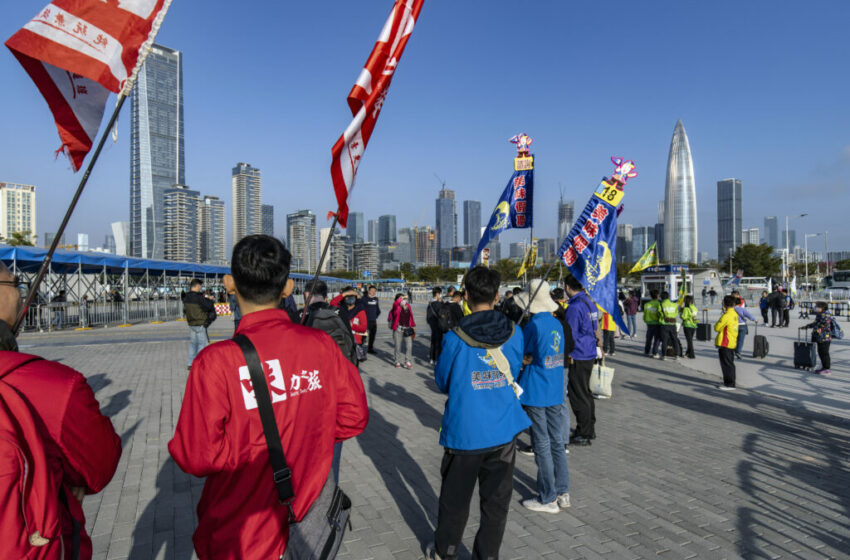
(652, 318)
(669, 313)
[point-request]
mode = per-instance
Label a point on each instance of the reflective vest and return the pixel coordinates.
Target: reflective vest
(652, 312)
(669, 311)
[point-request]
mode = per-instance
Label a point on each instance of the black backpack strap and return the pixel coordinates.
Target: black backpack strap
(282, 474)
(76, 525)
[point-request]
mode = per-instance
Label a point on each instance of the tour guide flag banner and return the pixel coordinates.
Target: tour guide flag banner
(589, 249)
(77, 51)
(650, 258)
(367, 97)
(514, 207)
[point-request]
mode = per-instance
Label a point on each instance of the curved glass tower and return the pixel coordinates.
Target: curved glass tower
(680, 202)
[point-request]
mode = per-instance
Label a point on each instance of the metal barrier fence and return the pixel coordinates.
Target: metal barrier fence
(49, 317)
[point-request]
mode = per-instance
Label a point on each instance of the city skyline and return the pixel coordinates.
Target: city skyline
(736, 129)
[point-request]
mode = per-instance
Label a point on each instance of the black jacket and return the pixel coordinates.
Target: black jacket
(373, 309)
(199, 311)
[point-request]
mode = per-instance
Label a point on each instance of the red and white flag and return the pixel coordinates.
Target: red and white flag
(77, 51)
(367, 97)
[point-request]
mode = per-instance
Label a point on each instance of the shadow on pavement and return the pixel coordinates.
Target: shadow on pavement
(793, 474)
(425, 413)
(97, 381)
(400, 473)
(117, 403)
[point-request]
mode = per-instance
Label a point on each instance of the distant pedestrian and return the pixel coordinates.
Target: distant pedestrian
(824, 328)
(358, 322)
(432, 317)
(743, 316)
(652, 318)
(712, 293)
(727, 338)
(787, 306)
(373, 311)
(542, 381)
(200, 313)
(609, 329)
(777, 303)
(58, 303)
(669, 334)
(689, 324)
(764, 306)
(481, 421)
(84, 311)
(581, 344)
(630, 306)
(404, 329)
(704, 295)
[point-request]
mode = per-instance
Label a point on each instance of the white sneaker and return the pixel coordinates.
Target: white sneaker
(563, 500)
(431, 552)
(536, 505)
(725, 388)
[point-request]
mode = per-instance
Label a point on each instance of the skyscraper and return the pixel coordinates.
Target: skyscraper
(771, 232)
(625, 236)
(642, 238)
(212, 241)
(566, 213)
(423, 246)
(446, 212)
(729, 218)
(386, 230)
(121, 232)
(750, 236)
(109, 243)
(355, 231)
(471, 222)
(680, 201)
(17, 211)
(301, 240)
(247, 186)
(373, 231)
(157, 154)
(182, 233)
(267, 221)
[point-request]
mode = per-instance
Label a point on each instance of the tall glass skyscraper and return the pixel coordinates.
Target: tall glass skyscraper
(771, 232)
(446, 212)
(387, 233)
(355, 230)
(247, 183)
(471, 222)
(157, 155)
(729, 218)
(680, 202)
(566, 211)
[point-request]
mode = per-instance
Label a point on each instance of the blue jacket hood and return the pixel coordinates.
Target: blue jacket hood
(488, 327)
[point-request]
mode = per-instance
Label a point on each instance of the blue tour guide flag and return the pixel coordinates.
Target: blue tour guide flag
(512, 211)
(589, 249)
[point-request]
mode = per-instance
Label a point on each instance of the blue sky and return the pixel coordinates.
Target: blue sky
(761, 87)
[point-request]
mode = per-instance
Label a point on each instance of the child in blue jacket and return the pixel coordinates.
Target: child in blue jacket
(477, 368)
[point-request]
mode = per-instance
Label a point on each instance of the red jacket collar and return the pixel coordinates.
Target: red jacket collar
(252, 320)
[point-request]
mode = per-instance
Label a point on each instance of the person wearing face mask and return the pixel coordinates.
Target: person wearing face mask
(403, 326)
(359, 324)
(344, 312)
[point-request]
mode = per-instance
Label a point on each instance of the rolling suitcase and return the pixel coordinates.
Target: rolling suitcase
(760, 345)
(704, 329)
(804, 352)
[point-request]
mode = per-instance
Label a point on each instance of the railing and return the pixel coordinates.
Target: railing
(49, 317)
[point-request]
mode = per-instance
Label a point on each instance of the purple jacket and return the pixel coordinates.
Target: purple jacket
(743, 315)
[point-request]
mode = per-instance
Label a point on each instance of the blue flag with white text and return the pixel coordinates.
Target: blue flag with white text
(512, 211)
(590, 249)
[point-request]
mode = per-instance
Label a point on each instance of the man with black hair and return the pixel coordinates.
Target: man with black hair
(325, 317)
(373, 311)
(317, 397)
(581, 340)
(432, 317)
(200, 313)
(477, 369)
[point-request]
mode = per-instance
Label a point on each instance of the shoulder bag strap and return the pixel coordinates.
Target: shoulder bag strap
(282, 474)
(505, 367)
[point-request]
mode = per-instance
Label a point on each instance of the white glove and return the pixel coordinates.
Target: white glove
(598, 353)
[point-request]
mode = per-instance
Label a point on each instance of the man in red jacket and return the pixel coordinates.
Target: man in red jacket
(318, 400)
(71, 448)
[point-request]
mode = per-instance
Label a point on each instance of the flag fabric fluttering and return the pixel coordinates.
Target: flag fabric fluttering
(529, 260)
(77, 51)
(649, 258)
(367, 98)
(589, 249)
(683, 285)
(736, 280)
(513, 210)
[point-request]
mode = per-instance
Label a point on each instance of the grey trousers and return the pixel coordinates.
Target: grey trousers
(400, 339)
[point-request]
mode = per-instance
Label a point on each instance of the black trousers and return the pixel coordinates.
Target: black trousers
(494, 471)
(823, 352)
(608, 342)
(775, 317)
(669, 336)
(373, 328)
(689, 336)
(652, 336)
(786, 317)
(727, 365)
(764, 315)
(581, 399)
(436, 342)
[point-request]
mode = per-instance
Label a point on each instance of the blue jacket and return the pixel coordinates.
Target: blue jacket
(482, 411)
(580, 323)
(542, 380)
(373, 310)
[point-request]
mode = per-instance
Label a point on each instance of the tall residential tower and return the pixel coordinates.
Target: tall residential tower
(247, 185)
(680, 202)
(729, 218)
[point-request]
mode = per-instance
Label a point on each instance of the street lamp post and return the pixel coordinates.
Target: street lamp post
(787, 254)
(807, 236)
(826, 251)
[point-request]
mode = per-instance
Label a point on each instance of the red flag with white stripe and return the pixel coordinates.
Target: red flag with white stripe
(77, 51)
(367, 97)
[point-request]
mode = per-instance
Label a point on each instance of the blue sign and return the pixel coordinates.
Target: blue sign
(513, 211)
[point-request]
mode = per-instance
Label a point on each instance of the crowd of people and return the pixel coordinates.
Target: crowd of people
(509, 363)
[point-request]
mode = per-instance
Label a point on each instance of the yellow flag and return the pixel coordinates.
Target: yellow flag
(529, 260)
(650, 258)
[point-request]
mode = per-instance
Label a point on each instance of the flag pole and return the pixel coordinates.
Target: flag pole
(45, 265)
(319, 266)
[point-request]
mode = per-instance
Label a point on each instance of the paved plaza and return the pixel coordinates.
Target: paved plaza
(679, 470)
